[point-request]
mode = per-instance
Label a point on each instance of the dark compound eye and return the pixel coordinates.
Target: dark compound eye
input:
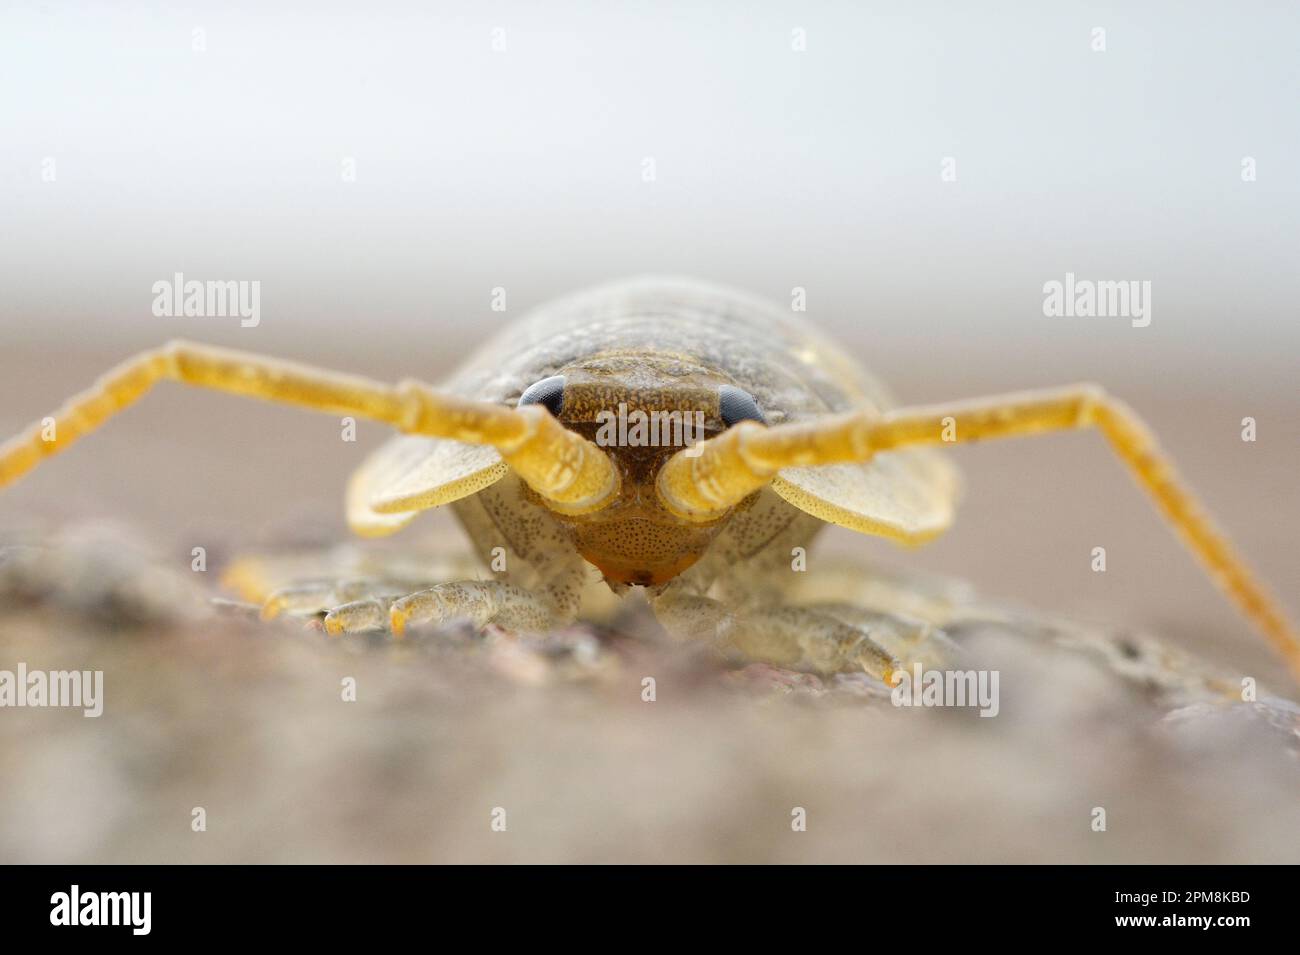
(548, 392)
(736, 405)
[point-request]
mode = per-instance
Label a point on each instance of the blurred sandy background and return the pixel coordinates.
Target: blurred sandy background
(522, 169)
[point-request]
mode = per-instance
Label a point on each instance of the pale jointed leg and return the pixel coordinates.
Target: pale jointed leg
(318, 596)
(482, 602)
(907, 639)
(541, 578)
(795, 637)
(367, 606)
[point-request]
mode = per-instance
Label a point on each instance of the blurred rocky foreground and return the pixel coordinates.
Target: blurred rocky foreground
(207, 706)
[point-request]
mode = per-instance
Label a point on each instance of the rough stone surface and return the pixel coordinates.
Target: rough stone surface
(206, 706)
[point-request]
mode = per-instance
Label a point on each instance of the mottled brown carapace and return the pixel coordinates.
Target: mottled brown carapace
(641, 409)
